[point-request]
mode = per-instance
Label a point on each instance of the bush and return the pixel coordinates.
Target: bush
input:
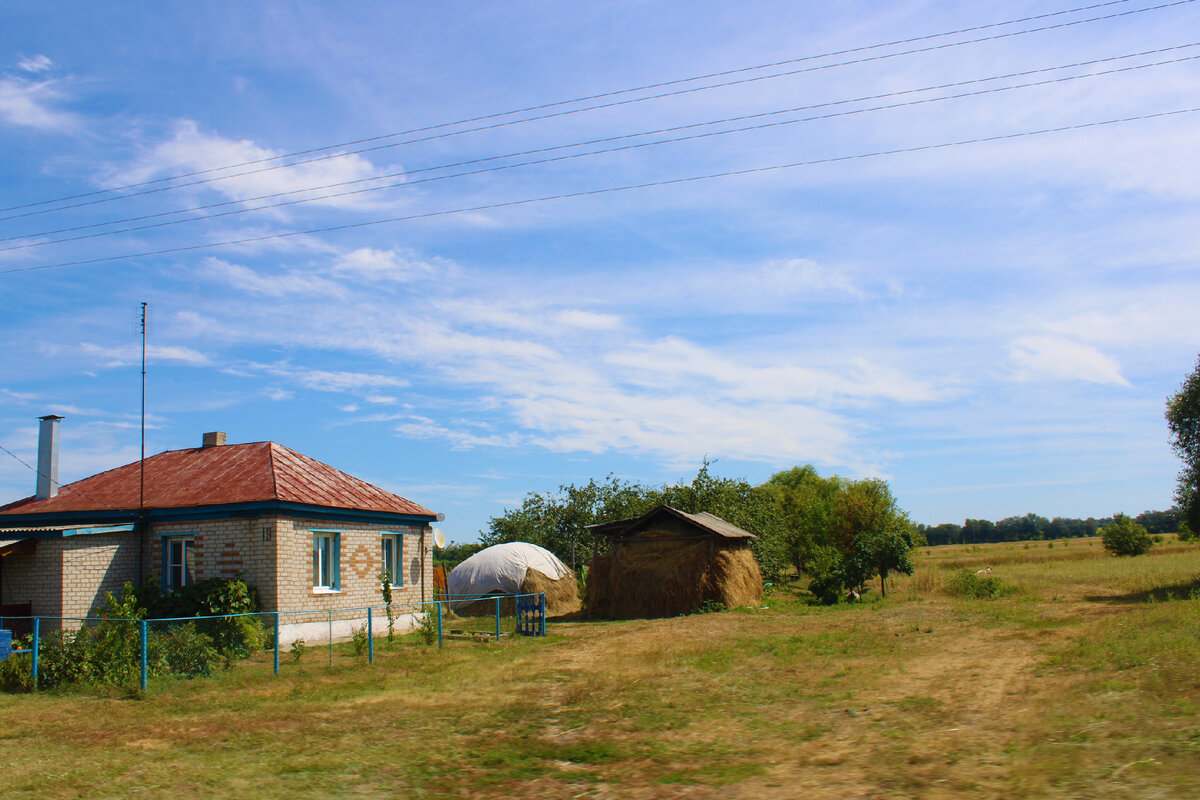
(1124, 537)
(981, 587)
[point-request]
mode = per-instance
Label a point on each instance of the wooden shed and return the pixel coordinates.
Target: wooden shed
(668, 562)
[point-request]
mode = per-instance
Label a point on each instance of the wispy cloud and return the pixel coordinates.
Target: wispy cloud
(329, 381)
(31, 104)
(189, 149)
(1055, 358)
(38, 63)
(124, 355)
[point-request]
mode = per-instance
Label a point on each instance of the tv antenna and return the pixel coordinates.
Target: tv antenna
(142, 463)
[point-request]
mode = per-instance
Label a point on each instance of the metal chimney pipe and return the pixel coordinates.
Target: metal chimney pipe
(47, 469)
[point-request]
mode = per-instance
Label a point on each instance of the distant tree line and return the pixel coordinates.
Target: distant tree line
(1034, 526)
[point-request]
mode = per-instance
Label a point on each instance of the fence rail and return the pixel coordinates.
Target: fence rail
(121, 650)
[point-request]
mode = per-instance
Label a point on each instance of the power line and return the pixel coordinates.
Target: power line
(607, 190)
(40, 474)
(586, 108)
(409, 183)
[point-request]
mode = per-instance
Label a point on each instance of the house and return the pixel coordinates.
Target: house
(668, 562)
(307, 536)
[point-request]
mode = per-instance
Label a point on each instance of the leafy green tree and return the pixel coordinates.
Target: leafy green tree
(557, 520)
(874, 535)
(804, 504)
(1124, 537)
(1183, 421)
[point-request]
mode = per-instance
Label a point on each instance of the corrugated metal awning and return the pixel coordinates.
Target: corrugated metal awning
(83, 529)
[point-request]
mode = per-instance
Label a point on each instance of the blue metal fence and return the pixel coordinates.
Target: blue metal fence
(120, 650)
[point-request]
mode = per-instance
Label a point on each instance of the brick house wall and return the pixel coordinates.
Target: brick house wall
(361, 562)
(68, 577)
(35, 578)
(224, 548)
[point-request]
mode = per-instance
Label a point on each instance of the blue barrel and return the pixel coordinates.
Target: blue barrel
(5, 644)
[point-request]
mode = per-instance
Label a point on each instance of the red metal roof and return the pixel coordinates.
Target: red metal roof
(206, 476)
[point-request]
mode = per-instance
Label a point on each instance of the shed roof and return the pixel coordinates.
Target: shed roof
(228, 474)
(706, 522)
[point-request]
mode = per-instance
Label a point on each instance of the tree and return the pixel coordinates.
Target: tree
(1124, 537)
(804, 503)
(874, 535)
(557, 521)
(1183, 420)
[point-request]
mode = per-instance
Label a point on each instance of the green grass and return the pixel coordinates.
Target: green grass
(1080, 682)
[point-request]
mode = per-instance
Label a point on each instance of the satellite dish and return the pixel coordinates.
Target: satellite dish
(439, 538)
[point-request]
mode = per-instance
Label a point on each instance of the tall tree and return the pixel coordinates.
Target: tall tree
(805, 503)
(1183, 420)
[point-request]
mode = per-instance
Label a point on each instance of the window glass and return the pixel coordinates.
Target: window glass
(180, 561)
(325, 560)
(392, 553)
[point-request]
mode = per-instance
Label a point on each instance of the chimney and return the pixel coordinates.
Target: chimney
(214, 439)
(47, 468)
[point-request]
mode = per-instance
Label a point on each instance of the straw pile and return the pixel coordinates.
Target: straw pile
(645, 578)
(562, 597)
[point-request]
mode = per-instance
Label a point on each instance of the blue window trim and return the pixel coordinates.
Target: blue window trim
(335, 565)
(397, 574)
(165, 548)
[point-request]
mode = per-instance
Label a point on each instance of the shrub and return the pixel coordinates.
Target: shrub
(966, 583)
(1124, 537)
(185, 651)
(360, 639)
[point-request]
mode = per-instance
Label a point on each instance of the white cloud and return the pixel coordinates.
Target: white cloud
(191, 150)
(587, 320)
(380, 400)
(1057, 358)
(425, 428)
(372, 264)
(38, 63)
(132, 354)
(327, 381)
(30, 104)
(272, 285)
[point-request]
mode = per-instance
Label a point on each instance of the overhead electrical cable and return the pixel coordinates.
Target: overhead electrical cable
(673, 129)
(541, 117)
(603, 191)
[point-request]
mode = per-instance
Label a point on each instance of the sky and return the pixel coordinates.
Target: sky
(468, 251)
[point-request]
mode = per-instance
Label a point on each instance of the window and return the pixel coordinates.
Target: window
(392, 546)
(179, 561)
(326, 555)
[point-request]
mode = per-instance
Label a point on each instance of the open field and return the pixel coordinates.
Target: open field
(1081, 680)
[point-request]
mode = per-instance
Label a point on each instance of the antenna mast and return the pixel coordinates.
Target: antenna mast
(142, 463)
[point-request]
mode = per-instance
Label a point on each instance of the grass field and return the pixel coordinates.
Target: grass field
(1080, 680)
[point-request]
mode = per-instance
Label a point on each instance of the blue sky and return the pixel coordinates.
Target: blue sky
(991, 327)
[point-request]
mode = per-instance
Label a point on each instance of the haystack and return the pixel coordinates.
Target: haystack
(668, 563)
(512, 568)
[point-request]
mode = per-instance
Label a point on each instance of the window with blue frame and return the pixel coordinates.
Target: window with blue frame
(179, 561)
(326, 558)
(392, 557)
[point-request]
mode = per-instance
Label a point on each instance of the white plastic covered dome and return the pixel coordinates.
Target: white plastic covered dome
(502, 568)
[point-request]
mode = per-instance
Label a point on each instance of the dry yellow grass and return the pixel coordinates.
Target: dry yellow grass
(1082, 683)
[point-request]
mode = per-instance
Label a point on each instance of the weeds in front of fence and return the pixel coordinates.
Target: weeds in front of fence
(124, 649)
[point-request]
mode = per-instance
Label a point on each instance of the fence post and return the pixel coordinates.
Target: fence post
(145, 668)
(498, 618)
(370, 638)
(330, 620)
(276, 642)
(33, 658)
(439, 609)
(542, 609)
